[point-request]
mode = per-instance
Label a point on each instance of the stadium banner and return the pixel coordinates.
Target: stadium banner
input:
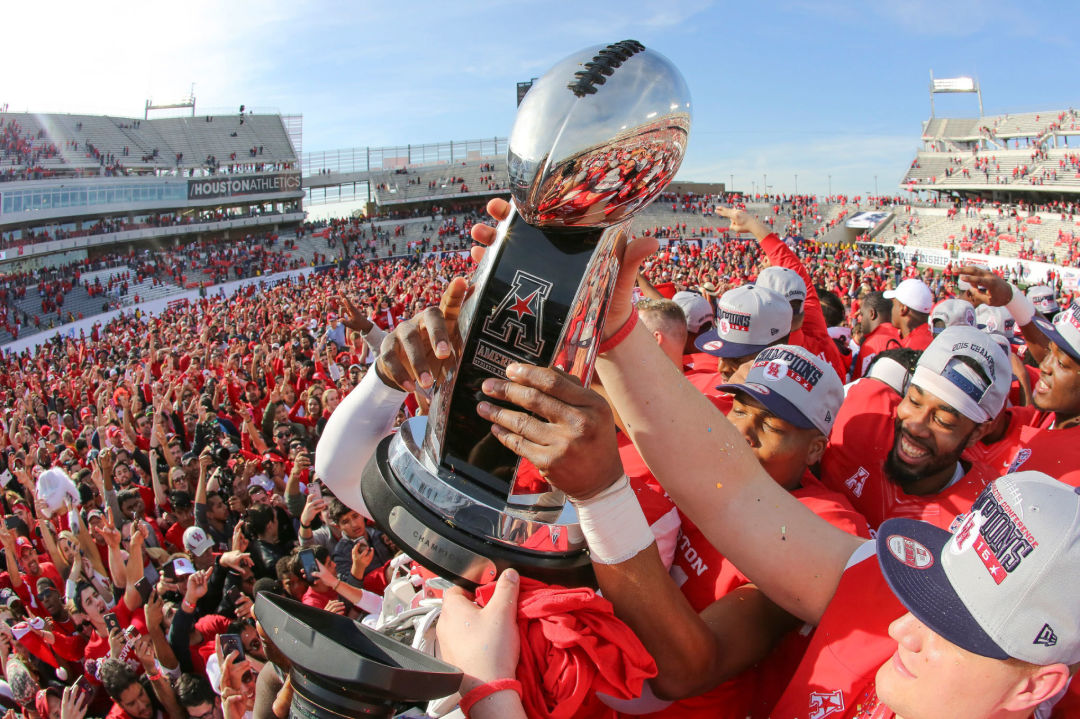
(212, 188)
(866, 220)
(1028, 271)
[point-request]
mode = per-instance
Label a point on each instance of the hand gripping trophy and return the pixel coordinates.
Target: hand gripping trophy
(595, 140)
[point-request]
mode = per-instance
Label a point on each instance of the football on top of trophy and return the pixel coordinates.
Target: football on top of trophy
(598, 137)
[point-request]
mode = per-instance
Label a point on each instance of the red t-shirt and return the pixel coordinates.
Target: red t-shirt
(854, 464)
(319, 600)
(704, 575)
(98, 646)
(814, 334)
(701, 370)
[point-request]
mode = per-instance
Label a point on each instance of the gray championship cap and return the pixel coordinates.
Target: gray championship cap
(748, 319)
(795, 385)
(967, 369)
(784, 281)
(697, 309)
(1003, 585)
(1065, 332)
(952, 313)
(1044, 299)
(997, 321)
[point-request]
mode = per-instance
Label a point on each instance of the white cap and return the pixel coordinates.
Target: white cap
(196, 542)
(964, 367)
(697, 309)
(785, 281)
(997, 321)
(913, 293)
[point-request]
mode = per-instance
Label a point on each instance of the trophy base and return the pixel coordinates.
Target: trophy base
(453, 529)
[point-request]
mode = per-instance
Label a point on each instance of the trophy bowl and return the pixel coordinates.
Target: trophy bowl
(595, 140)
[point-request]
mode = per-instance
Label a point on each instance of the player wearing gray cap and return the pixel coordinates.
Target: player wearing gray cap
(951, 313)
(748, 319)
(897, 455)
(1044, 299)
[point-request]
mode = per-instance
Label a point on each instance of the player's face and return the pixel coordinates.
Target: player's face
(783, 449)
(929, 437)
(1058, 388)
(930, 677)
(728, 366)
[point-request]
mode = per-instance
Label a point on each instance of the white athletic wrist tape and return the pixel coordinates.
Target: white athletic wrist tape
(1020, 307)
(613, 524)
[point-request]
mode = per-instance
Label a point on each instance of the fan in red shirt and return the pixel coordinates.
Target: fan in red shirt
(912, 301)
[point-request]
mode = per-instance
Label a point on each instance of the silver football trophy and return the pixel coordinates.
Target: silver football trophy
(595, 140)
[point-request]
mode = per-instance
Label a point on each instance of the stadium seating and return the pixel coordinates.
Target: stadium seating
(158, 145)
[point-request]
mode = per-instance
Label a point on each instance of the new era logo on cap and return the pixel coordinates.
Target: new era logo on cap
(1046, 637)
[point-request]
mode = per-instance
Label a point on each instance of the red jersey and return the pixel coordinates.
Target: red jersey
(836, 676)
(873, 343)
(1029, 443)
(704, 575)
(814, 334)
(854, 464)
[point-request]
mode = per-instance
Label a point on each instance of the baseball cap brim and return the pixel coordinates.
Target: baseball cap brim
(773, 402)
(712, 343)
(1050, 331)
(926, 591)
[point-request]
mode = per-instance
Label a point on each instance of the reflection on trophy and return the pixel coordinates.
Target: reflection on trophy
(595, 140)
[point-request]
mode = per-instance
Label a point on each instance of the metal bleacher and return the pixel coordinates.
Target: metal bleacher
(154, 144)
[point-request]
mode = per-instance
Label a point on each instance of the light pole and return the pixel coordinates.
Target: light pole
(731, 187)
(796, 183)
(875, 185)
(764, 184)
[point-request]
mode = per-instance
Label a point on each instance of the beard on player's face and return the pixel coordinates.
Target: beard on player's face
(905, 474)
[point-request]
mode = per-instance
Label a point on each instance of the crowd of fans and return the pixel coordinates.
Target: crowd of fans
(160, 471)
(109, 225)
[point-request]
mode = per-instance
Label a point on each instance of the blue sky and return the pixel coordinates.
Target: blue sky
(779, 88)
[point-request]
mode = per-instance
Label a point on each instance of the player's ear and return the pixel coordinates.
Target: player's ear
(816, 448)
(1035, 686)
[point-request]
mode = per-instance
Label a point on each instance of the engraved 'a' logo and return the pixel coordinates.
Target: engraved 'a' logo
(517, 319)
